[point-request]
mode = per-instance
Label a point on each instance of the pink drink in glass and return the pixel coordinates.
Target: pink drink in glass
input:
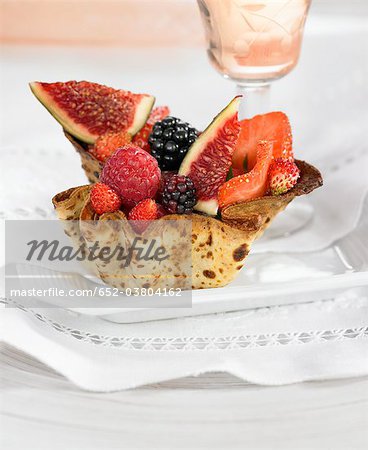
(254, 41)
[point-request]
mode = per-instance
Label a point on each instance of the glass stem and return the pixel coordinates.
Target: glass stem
(256, 99)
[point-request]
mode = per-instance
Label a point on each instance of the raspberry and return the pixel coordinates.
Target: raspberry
(104, 199)
(141, 138)
(170, 140)
(106, 144)
(283, 175)
(133, 173)
(143, 213)
(179, 195)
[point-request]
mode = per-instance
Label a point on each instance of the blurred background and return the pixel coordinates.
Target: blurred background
(124, 22)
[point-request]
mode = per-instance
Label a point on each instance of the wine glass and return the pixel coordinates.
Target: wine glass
(254, 42)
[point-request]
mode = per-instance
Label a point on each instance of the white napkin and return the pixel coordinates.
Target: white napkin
(270, 346)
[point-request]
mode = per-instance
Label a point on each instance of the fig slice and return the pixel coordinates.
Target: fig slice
(88, 110)
(209, 159)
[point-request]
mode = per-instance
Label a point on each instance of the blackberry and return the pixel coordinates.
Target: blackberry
(179, 195)
(170, 140)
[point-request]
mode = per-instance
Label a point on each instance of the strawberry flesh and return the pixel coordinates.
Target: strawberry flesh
(251, 185)
(273, 127)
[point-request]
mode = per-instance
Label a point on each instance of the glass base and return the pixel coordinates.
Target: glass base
(295, 218)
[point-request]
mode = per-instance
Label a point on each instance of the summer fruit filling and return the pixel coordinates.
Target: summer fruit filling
(170, 140)
(229, 162)
(141, 138)
(88, 110)
(251, 185)
(273, 127)
(133, 174)
(208, 160)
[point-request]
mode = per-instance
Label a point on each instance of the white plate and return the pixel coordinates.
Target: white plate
(269, 279)
(272, 279)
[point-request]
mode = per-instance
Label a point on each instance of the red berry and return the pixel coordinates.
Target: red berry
(106, 144)
(283, 175)
(133, 173)
(273, 127)
(251, 185)
(104, 199)
(143, 213)
(141, 138)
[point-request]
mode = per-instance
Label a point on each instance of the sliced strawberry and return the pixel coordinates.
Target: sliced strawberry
(106, 144)
(143, 213)
(273, 127)
(141, 138)
(251, 185)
